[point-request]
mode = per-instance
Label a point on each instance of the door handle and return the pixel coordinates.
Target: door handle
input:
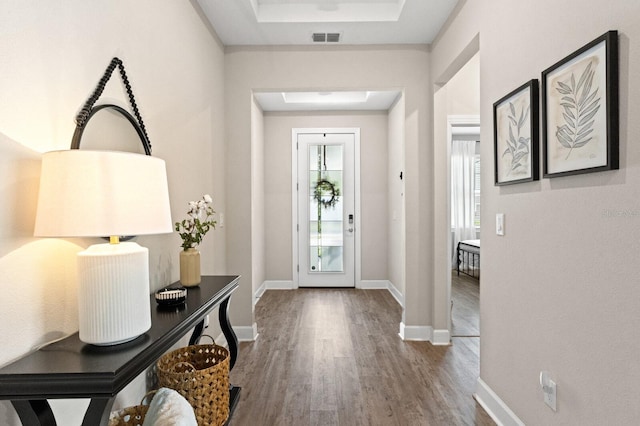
(350, 230)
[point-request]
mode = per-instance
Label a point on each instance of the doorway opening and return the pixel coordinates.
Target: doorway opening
(456, 113)
(464, 200)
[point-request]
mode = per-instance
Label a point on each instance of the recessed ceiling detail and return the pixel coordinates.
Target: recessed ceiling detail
(377, 100)
(325, 97)
(284, 11)
(291, 22)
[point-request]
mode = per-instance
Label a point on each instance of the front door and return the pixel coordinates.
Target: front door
(326, 209)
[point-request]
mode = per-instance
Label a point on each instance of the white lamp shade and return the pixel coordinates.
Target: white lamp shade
(102, 193)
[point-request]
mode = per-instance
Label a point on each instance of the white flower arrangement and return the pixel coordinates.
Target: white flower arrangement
(198, 223)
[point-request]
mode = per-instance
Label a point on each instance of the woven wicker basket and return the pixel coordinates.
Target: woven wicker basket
(131, 416)
(200, 373)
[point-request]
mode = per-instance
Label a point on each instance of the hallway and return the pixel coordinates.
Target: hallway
(334, 357)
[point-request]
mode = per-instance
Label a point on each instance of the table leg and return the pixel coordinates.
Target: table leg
(197, 333)
(98, 412)
(34, 412)
(229, 334)
(38, 412)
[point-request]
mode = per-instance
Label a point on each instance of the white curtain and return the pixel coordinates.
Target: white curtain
(462, 193)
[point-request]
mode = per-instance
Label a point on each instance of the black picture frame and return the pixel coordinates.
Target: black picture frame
(516, 135)
(580, 112)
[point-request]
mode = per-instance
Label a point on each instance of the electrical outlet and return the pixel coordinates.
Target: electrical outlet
(548, 389)
(550, 394)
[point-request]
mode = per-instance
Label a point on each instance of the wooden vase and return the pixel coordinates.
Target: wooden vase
(190, 267)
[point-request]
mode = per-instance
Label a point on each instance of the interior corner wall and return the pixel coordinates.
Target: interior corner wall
(53, 55)
(442, 230)
(373, 175)
(559, 291)
(396, 223)
(324, 69)
(258, 250)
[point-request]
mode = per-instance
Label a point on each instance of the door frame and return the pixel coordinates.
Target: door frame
(294, 198)
(457, 125)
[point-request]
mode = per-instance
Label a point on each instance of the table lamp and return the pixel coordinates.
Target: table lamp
(106, 194)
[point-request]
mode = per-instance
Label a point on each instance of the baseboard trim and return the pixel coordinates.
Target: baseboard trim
(374, 284)
(246, 333)
(494, 406)
(423, 333)
(382, 285)
(396, 294)
(441, 337)
(259, 292)
(278, 285)
(271, 285)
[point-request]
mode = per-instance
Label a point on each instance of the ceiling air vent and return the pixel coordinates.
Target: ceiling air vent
(326, 37)
(333, 37)
(319, 37)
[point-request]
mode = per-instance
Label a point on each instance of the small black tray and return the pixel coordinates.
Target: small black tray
(171, 296)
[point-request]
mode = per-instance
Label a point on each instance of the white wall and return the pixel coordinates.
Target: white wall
(463, 89)
(373, 175)
(331, 68)
(559, 291)
(53, 54)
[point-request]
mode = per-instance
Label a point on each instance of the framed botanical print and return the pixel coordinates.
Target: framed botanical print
(580, 110)
(515, 135)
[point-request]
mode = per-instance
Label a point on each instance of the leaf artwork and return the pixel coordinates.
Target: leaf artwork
(580, 107)
(517, 146)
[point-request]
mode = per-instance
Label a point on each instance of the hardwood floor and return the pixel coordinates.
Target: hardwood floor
(334, 357)
(465, 313)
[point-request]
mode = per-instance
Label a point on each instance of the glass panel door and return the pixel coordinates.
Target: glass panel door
(326, 239)
(326, 224)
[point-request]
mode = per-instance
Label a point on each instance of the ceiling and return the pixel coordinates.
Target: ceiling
(352, 22)
(293, 22)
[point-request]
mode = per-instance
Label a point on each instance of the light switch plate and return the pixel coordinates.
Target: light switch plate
(499, 223)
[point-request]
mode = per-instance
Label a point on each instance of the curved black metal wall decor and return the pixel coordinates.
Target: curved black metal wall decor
(88, 109)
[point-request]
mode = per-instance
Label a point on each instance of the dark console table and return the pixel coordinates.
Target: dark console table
(70, 368)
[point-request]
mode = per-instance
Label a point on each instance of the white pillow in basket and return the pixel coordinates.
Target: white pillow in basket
(169, 408)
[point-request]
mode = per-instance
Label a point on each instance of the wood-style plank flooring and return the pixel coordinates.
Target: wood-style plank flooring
(465, 310)
(334, 357)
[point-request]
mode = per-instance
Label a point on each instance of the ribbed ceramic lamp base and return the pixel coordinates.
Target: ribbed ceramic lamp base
(113, 293)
